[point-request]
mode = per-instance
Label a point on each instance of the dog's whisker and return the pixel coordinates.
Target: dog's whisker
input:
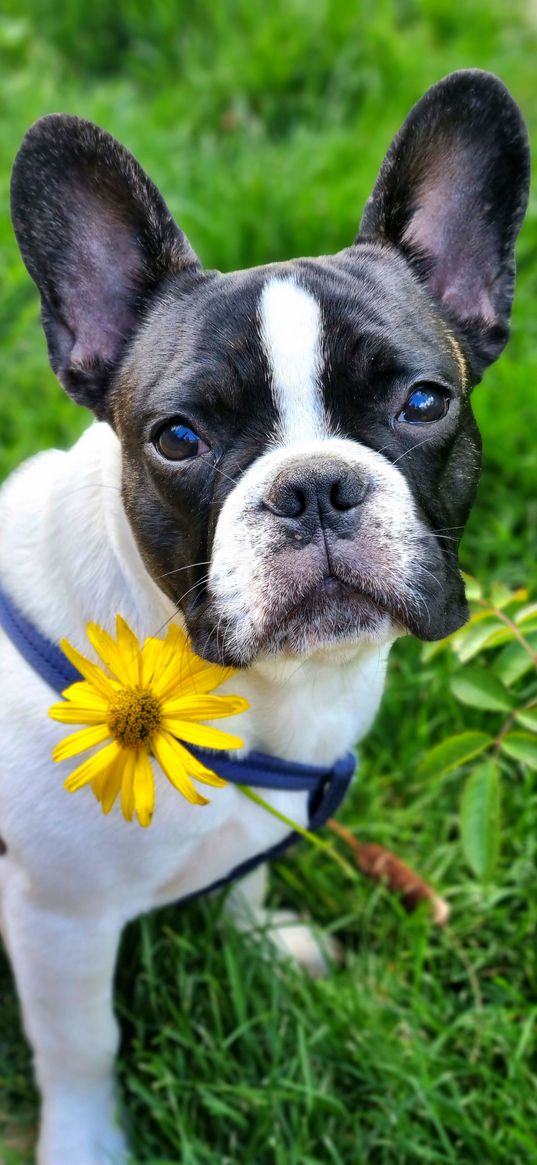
(426, 441)
(199, 583)
(433, 534)
(167, 621)
(224, 474)
(424, 570)
(178, 569)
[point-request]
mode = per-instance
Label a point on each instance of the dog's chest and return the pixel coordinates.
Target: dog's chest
(72, 851)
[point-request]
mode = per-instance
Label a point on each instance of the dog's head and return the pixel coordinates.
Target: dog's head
(299, 450)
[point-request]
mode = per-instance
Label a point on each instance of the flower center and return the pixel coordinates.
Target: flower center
(134, 715)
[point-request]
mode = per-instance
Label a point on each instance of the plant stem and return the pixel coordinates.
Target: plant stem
(512, 627)
(306, 833)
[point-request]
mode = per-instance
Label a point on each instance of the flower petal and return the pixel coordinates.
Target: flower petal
(195, 768)
(84, 694)
(153, 659)
(157, 655)
(144, 788)
(197, 678)
(108, 650)
(112, 785)
(195, 707)
(77, 714)
(200, 734)
(98, 783)
(107, 783)
(173, 659)
(130, 650)
(105, 686)
(172, 764)
(127, 784)
(80, 741)
(92, 767)
(182, 671)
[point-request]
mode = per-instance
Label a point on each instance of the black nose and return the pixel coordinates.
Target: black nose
(311, 495)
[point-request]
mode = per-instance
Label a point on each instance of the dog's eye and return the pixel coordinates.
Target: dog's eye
(177, 442)
(426, 402)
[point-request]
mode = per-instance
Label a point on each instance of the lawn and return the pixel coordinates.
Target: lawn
(264, 129)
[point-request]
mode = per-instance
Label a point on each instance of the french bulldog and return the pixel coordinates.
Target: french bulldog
(283, 461)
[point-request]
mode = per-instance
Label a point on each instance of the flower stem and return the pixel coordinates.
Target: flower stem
(306, 833)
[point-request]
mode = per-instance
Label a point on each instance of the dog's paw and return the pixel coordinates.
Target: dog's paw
(65, 1146)
(292, 938)
(289, 935)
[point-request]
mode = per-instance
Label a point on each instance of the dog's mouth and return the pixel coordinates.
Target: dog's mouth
(331, 611)
(323, 606)
(332, 595)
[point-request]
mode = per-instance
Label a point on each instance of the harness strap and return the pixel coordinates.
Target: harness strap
(323, 802)
(45, 657)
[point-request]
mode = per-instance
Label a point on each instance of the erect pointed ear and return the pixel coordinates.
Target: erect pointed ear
(451, 195)
(97, 238)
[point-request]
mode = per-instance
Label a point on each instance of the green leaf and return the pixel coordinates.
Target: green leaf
(480, 819)
(473, 588)
(500, 595)
(430, 650)
(496, 638)
(480, 689)
(528, 625)
(526, 614)
(528, 718)
(522, 746)
(470, 641)
(514, 661)
(452, 753)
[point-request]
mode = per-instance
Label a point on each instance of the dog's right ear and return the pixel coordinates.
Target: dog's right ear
(97, 239)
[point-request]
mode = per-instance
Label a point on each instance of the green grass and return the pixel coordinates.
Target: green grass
(265, 129)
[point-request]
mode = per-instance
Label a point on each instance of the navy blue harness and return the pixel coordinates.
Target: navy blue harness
(326, 786)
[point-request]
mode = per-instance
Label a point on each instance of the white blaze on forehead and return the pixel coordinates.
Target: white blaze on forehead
(291, 336)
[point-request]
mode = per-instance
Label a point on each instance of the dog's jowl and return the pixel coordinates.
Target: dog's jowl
(282, 462)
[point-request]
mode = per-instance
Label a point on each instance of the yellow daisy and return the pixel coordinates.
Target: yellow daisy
(145, 701)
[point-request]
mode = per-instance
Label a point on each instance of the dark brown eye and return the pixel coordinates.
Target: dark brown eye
(177, 442)
(426, 403)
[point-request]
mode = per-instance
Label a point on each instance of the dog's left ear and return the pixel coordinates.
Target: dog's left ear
(451, 196)
(98, 240)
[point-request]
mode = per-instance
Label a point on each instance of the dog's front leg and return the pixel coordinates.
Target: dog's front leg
(64, 966)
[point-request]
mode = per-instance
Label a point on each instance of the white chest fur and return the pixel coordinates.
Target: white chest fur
(67, 555)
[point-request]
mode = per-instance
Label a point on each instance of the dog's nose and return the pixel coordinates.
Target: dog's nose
(311, 494)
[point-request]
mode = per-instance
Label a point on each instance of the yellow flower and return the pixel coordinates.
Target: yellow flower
(144, 704)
